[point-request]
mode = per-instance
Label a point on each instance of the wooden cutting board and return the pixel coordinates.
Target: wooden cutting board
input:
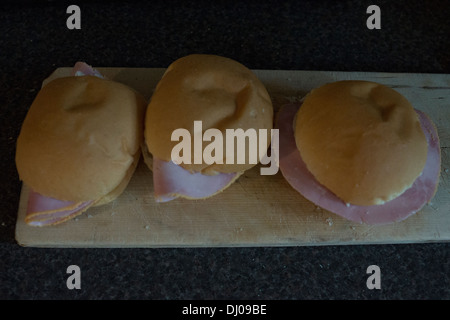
(256, 210)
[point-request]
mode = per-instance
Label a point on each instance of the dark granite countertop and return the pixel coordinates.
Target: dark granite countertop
(295, 35)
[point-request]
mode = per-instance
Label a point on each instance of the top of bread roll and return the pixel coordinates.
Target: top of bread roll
(362, 140)
(218, 91)
(80, 137)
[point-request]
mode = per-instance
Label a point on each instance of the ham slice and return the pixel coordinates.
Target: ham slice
(411, 201)
(83, 69)
(172, 181)
(44, 211)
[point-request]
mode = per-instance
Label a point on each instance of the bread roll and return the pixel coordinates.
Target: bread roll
(361, 140)
(218, 91)
(81, 139)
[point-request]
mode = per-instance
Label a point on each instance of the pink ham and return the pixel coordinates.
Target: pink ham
(172, 181)
(411, 201)
(42, 210)
(83, 69)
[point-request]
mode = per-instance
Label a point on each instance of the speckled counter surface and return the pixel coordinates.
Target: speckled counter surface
(294, 35)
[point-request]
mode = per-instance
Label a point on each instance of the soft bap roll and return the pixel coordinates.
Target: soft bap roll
(359, 149)
(79, 145)
(220, 93)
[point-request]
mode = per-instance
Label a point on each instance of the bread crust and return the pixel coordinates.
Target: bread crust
(80, 137)
(362, 140)
(218, 91)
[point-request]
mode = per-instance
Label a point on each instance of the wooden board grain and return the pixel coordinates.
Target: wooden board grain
(256, 210)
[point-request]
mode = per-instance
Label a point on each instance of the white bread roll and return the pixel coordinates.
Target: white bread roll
(361, 140)
(218, 91)
(81, 139)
